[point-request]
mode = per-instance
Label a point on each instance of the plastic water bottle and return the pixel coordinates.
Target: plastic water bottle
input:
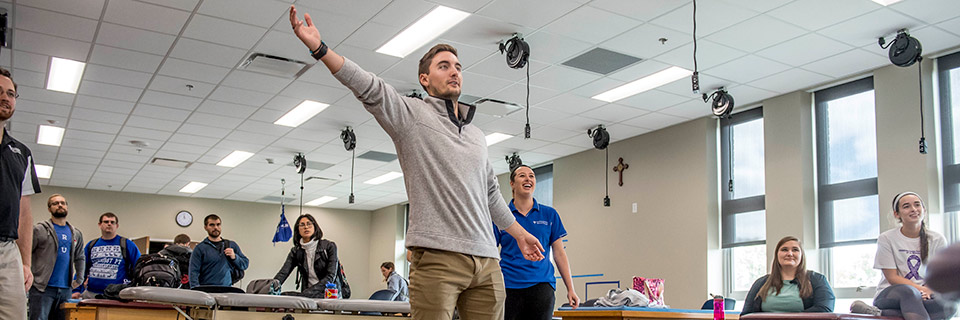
(331, 292)
(718, 307)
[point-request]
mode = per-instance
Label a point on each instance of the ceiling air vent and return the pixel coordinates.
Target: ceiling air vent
(491, 107)
(276, 199)
(378, 156)
(173, 163)
(274, 65)
(601, 61)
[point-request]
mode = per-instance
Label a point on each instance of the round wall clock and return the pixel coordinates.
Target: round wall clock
(184, 218)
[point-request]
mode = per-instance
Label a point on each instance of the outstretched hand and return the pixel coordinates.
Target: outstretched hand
(530, 247)
(308, 32)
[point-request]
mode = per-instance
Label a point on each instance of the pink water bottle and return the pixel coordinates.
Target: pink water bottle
(718, 307)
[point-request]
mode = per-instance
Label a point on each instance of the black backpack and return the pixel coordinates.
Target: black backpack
(341, 280)
(236, 274)
(157, 270)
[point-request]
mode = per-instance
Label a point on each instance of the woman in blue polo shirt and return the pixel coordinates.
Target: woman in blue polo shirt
(531, 285)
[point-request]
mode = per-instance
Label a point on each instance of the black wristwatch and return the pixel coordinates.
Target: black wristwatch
(321, 51)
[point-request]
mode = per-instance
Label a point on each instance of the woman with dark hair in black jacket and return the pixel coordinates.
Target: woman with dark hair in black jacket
(314, 257)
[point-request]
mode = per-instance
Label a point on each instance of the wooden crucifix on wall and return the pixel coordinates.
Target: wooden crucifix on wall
(620, 168)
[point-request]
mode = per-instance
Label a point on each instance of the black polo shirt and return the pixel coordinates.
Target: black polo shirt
(17, 178)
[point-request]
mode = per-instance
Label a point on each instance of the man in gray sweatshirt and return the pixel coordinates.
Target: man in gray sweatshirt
(58, 262)
(453, 191)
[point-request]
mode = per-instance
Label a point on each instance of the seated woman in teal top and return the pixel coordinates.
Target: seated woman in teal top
(789, 287)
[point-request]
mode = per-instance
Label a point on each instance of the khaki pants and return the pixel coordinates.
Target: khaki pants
(13, 296)
(441, 280)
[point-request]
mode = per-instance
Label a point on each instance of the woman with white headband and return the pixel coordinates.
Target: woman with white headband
(902, 255)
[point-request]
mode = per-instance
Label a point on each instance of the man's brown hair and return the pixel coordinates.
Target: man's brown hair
(428, 59)
(55, 195)
(6, 73)
(181, 239)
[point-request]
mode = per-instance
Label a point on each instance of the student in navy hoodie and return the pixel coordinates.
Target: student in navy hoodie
(213, 259)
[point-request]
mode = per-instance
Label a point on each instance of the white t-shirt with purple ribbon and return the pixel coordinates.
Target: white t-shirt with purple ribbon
(897, 251)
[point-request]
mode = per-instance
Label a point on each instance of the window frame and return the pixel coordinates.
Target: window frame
(730, 207)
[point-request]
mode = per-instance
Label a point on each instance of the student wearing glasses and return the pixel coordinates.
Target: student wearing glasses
(314, 257)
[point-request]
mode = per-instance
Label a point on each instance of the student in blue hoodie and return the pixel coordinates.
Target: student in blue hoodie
(214, 259)
(110, 258)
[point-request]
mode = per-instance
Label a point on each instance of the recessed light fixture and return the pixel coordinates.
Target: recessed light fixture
(193, 187)
(497, 137)
(426, 29)
(319, 201)
(50, 135)
(235, 158)
(660, 78)
(64, 75)
(303, 112)
(886, 2)
(43, 171)
(384, 178)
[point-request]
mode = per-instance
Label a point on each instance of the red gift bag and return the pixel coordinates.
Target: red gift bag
(652, 288)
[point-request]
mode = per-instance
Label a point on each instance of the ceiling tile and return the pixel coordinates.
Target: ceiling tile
(401, 13)
(29, 78)
(847, 63)
(757, 33)
(109, 91)
(372, 36)
(621, 131)
(479, 85)
(97, 115)
(181, 86)
(93, 126)
(192, 70)
(134, 14)
(517, 93)
(147, 133)
(952, 25)
(255, 81)
(263, 13)
(203, 130)
(643, 41)
(224, 32)
(612, 112)
(115, 35)
(126, 59)
(55, 24)
(865, 29)
(186, 5)
(690, 109)
(158, 112)
(603, 25)
(538, 116)
(562, 78)
(810, 14)
(206, 52)
(89, 136)
(653, 121)
(51, 46)
(495, 66)
(111, 75)
(360, 10)
(709, 54)
(320, 93)
(151, 123)
(653, 100)
(484, 31)
(642, 10)
(369, 60)
(934, 39)
(789, 81)
(182, 138)
(213, 120)
(103, 104)
(245, 97)
(559, 149)
(712, 16)
(930, 11)
(796, 52)
(30, 61)
(170, 100)
(531, 13)
(84, 8)
(748, 68)
(745, 95)
(553, 48)
(336, 25)
(227, 109)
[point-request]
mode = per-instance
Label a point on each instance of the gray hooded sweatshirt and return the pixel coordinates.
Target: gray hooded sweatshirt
(45, 246)
(453, 192)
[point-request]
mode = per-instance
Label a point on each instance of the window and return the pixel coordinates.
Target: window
(847, 186)
(743, 215)
(544, 190)
(949, 74)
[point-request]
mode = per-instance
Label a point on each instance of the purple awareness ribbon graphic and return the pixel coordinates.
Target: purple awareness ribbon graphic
(913, 262)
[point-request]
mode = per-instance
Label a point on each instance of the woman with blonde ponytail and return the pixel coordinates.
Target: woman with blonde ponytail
(902, 255)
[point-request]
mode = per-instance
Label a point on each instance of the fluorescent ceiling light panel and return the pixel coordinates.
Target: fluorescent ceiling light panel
(384, 178)
(303, 112)
(886, 2)
(426, 29)
(663, 77)
(43, 171)
(64, 75)
(50, 135)
(235, 158)
(321, 200)
(496, 137)
(193, 187)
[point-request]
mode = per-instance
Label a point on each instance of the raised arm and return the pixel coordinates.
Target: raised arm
(310, 36)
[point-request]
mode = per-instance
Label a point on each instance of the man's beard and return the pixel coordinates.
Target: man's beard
(213, 234)
(59, 214)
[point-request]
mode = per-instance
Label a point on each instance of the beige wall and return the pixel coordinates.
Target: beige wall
(672, 178)
(386, 239)
(251, 225)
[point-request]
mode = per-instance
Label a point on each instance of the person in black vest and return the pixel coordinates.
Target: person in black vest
(314, 257)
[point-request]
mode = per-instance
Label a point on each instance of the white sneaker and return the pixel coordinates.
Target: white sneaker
(863, 308)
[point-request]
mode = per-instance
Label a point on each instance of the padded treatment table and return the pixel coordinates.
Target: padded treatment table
(105, 309)
(812, 316)
(635, 313)
(357, 306)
